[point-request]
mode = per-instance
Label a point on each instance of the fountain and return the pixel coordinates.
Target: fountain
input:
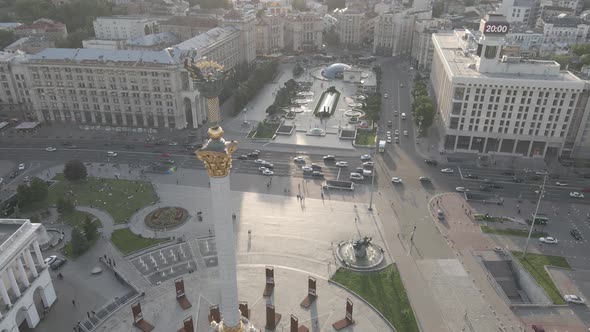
(360, 254)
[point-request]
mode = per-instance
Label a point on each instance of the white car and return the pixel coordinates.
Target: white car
(541, 172)
(299, 159)
(368, 164)
(561, 184)
(576, 194)
(21, 167)
(342, 164)
(396, 132)
(365, 157)
(262, 168)
(50, 259)
(329, 157)
(111, 154)
(461, 189)
(366, 172)
(405, 133)
(50, 149)
(447, 170)
(259, 161)
(388, 139)
(386, 96)
(173, 143)
(396, 180)
(268, 172)
(307, 168)
(548, 240)
(356, 176)
(573, 299)
(388, 133)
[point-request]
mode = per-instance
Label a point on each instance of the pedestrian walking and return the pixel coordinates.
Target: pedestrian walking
(88, 314)
(74, 303)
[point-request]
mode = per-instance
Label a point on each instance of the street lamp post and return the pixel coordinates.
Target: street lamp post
(373, 177)
(541, 193)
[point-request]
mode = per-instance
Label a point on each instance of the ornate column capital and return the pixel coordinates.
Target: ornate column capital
(216, 153)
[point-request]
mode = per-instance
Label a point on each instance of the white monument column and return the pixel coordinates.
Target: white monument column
(13, 283)
(31, 263)
(38, 253)
(23, 274)
(216, 154)
(3, 292)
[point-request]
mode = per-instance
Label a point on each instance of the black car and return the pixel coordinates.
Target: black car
(253, 155)
(389, 124)
(495, 186)
(485, 188)
(509, 173)
(471, 176)
(431, 162)
(57, 263)
(517, 179)
(318, 174)
(535, 178)
(329, 158)
(13, 175)
(576, 234)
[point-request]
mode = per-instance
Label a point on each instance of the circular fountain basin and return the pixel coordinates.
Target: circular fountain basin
(373, 256)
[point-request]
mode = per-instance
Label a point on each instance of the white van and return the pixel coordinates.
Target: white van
(111, 154)
(403, 116)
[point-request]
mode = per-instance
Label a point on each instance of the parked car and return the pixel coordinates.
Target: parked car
(21, 167)
(368, 164)
(447, 170)
(431, 162)
(316, 166)
(548, 240)
(576, 234)
(329, 158)
(317, 174)
(573, 299)
(341, 164)
(396, 180)
(356, 176)
(307, 169)
(55, 262)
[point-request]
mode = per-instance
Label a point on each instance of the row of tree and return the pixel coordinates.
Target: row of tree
(261, 75)
(283, 97)
(422, 107)
(83, 237)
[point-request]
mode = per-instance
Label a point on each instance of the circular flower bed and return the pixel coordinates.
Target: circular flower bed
(166, 218)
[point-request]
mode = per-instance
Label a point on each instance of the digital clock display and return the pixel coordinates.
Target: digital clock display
(496, 28)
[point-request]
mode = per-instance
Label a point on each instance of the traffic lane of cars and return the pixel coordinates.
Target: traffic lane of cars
(531, 177)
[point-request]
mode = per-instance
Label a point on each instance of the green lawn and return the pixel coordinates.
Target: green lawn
(76, 218)
(512, 231)
(489, 218)
(385, 291)
(127, 242)
(120, 198)
(266, 130)
(365, 137)
(535, 265)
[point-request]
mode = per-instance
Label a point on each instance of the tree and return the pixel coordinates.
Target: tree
(331, 37)
(64, 206)
(23, 194)
(469, 3)
(335, 4)
(423, 111)
(78, 241)
(39, 189)
(300, 5)
(7, 37)
(90, 229)
(297, 69)
(75, 170)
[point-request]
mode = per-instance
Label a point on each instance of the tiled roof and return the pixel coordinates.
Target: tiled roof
(103, 55)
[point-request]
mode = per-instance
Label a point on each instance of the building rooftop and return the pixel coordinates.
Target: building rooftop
(126, 17)
(9, 25)
(192, 21)
(461, 65)
(103, 55)
(154, 39)
(6, 230)
(14, 233)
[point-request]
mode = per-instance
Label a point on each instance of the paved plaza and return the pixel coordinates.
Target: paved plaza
(164, 264)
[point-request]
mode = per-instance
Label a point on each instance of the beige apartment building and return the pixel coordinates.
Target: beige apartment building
(303, 32)
(270, 34)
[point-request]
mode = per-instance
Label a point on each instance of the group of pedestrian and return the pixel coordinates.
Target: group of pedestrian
(110, 262)
(300, 197)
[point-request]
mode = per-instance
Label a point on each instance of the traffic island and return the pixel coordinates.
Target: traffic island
(535, 265)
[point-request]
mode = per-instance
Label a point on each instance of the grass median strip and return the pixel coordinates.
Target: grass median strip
(128, 242)
(535, 265)
(512, 232)
(385, 291)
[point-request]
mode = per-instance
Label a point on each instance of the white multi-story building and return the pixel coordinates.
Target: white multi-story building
(303, 32)
(245, 23)
(564, 29)
(124, 27)
(422, 48)
(270, 36)
(493, 103)
(15, 95)
(520, 11)
(24, 276)
(394, 31)
(528, 42)
(576, 5)
(349, 26)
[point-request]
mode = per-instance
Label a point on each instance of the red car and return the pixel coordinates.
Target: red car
(165, 154)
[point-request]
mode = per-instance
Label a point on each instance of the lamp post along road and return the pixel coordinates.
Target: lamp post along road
(541, 193)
